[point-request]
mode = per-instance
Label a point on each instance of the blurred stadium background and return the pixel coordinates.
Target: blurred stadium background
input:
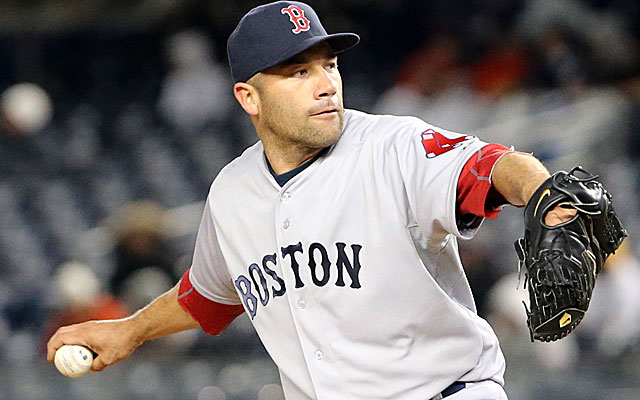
(117, 115)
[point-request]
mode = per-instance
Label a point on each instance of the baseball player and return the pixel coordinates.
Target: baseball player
(337, 233)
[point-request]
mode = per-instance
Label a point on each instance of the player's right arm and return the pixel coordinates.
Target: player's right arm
(212, 305)
(115, 340)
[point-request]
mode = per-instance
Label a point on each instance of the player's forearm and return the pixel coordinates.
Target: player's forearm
(115, 340)
(516, 176)
(161, 317)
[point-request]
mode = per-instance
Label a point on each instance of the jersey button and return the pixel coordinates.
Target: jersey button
(302, 303)
(286, 196)
(319, 355)
(285, 224)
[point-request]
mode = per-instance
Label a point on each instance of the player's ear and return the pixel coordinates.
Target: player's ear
(247, 96)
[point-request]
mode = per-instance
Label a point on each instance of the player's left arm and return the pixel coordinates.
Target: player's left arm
(516, 176)
(564, 248)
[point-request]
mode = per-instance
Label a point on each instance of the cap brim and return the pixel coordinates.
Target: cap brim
(342, 41)
(339, 42)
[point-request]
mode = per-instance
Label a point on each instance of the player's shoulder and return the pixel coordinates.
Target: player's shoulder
(362, 126)
(239, 169)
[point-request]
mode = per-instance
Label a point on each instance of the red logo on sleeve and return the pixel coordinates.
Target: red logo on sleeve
(436, 143)
(296, 15)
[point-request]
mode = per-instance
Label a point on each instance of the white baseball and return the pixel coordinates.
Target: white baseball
(73, 361)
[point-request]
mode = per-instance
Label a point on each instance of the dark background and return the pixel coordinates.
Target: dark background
(122, 152)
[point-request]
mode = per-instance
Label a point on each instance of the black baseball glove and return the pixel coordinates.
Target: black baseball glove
(562, 261)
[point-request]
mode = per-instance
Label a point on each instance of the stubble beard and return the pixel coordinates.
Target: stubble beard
(285, 128)
(322, 137)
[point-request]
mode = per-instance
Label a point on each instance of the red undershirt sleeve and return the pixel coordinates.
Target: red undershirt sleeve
(213, 317)
(476, 194)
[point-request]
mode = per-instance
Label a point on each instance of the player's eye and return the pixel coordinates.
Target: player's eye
(332, 66)
(299, 73)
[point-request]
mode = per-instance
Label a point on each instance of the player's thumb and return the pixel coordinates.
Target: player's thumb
(99, 364)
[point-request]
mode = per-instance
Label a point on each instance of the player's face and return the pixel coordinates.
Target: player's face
(301, 98)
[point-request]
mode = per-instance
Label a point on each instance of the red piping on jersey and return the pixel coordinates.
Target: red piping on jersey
(213, 317)
(475, 192)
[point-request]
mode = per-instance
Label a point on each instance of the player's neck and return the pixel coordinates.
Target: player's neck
(285, 160)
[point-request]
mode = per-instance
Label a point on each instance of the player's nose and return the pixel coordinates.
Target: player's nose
(326, 84)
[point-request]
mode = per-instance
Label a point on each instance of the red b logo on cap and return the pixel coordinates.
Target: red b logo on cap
(296, 15)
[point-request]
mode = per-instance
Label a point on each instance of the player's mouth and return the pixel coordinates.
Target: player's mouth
(326, 113)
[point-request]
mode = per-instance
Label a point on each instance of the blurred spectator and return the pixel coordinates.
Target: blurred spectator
(424, 73)
(559, 65)
(197, 90)
(431, 84)
(631, 88)
(612, 325)
(26, 109)
(508, 318)
(605, 31)
(78, 297)
(501, 70)
(480, 266)
(140, 243)
(143, 285)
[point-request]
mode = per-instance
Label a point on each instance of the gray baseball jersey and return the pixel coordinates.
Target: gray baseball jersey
(350, 272)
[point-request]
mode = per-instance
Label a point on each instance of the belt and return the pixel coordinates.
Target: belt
(455, 387)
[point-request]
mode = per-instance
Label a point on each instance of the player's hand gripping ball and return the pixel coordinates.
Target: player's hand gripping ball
(73, 361)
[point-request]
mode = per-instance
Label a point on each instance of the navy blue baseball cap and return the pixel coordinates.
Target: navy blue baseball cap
(274, 32)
